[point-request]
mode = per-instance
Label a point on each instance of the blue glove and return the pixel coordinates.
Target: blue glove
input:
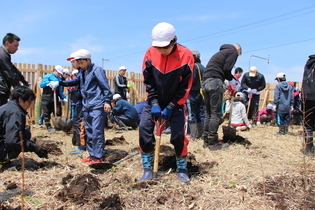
(155, 110)
(167, 112)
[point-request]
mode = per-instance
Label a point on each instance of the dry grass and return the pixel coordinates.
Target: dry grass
(269, 174)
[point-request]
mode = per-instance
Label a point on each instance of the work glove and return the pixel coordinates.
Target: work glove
(156, 110)
(254, 91)
(249, 126)
(233, 82)
(249, 90)
(53, 84)
(41, 152)
(129, 86)
(64, 100)
(167, 112)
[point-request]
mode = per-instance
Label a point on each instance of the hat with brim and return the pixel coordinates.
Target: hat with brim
(82, 54)
(59, 69)
(162, 34)
(253, 71)
(72, 56)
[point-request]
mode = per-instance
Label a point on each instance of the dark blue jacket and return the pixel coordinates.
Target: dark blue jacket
(125, 109)
(283, 97)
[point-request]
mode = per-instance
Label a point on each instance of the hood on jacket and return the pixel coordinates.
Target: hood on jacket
(284, 86)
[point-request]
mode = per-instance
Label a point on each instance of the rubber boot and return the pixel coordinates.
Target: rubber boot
(182, 172)
(205, 141)
(214, 144)
(286, 129)
(147, 163)
(199, 130)
(281, 130)
(122, 125)
(193, 130)
(309, 148)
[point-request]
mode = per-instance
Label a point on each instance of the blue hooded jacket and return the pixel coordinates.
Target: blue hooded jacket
(283, 97)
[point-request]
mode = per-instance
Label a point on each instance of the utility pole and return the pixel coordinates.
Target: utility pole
(103, 60)
(259, 58)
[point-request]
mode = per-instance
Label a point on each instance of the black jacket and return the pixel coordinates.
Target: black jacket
(12, 121)
(221, 63)
(10, 76)
(120, 86)
(257, 82)
(308, 83)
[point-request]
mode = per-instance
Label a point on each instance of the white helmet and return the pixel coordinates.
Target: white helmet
(116, 96)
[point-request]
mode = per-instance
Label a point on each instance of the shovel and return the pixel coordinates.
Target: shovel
(159, 126)
(110, 165)
(66, 124)
(56, 120)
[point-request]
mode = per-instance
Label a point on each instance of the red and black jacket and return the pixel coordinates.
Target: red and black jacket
(168, 78)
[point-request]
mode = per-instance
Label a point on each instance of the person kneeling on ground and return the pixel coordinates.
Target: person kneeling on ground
(239, 118)
(124, 114)
(12, 127)
(266, 115)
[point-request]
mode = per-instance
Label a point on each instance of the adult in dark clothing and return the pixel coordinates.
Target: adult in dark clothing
(195, 99)
(10, 76)
(13, 127)
(283, 99)
(308, 98)
(217, 70)
(120, 83)
(124, 113)
(252, 83)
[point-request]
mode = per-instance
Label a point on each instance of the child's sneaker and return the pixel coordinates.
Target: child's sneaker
(88, 159)
(97, 160)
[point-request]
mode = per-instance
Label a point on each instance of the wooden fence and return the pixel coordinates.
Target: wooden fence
(33, 73)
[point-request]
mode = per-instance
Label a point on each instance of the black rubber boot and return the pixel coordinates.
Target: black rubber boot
(205, 141)
(309, 148)
(281, 130)
(214, 144)
(193, 130)
(199, 130)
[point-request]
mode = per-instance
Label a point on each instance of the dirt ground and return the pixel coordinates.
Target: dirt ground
(271, 173)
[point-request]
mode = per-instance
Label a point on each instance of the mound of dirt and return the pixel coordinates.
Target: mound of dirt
(32, 165)
(79, 188)
(116, 141)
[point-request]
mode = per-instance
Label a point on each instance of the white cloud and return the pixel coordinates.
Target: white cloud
(88, 43)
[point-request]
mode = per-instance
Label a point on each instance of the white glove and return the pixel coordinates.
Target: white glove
(254, 91)
(249, 90)
(64, 100)
(258, 123)
(233, 82)
(53, 84)
(249, 126)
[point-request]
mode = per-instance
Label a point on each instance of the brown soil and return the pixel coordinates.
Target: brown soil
(258, 171)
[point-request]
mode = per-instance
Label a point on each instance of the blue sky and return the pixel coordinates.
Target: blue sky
(120, 31)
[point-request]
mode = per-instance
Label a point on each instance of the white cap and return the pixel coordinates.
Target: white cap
(75, 72)
(269, 106)
(280, 75)
(253, 71)
(59, 69)
(162, 34)
(116, 96)
(71, 57)
(122, 68)
(239, 94)
(66, 71)
(82, 54)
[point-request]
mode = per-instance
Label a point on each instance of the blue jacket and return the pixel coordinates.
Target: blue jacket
(283, 97)
(94, 87)
(125, 109)
(47, 90)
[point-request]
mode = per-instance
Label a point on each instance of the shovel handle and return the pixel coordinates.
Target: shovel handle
(159, 125)
(55, 102)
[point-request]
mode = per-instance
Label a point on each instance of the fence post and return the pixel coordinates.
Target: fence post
(38, 92)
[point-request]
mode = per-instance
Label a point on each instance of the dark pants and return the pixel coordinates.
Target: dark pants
(309, 113)
(213, 95)
(253, 106)
(194, 104)
(283, 119)
(48, 109)
(94, 128)
(178, 135)
(78, 116)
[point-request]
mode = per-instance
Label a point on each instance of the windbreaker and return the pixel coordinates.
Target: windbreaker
(283, 97)
(168, 78)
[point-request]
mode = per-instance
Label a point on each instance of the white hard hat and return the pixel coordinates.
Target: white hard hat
(59, 69)
(116, 96)
(122, 68)
(162, 34)
(82, 54)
